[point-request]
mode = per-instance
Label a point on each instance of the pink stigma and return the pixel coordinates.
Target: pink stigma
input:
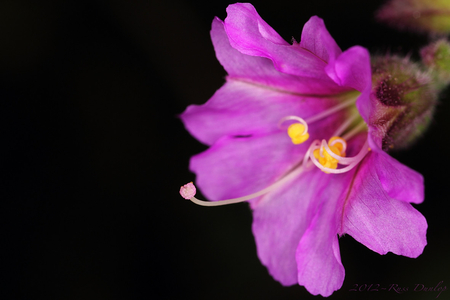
(188, 191)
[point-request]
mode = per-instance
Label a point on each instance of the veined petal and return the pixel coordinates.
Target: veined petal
(250, 35)
(352, 69)
(376, 220)
(317, 39)
(280, 220)
(245, 18)
(318, 258)
(242, 109)
(320, 269)
(399, 181)
(261, 70)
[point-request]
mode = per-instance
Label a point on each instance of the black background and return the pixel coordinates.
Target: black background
(93, 155)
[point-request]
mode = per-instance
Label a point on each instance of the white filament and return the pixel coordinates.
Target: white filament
(292, 174)
(341, 159)
(351, 161)
(342, 142)
(330, 111)
(298, 119)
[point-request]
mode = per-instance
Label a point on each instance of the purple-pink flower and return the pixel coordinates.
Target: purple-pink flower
(312, 190)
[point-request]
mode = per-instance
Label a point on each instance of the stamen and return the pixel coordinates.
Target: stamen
(295, 118)
(305, 164)
(298, 132)
(297, 171)
(338, 142)
(350, 161)
(329, 155)
(330, 111)
(340, 158)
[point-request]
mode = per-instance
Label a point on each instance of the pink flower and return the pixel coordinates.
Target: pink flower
(310, 191)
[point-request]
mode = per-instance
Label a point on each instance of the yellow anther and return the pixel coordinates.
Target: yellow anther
(322, 160)
(337, 148)
(297, 133)
(340, 144)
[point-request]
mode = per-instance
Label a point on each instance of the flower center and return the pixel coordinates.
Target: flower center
(337, 146)
(327, 156)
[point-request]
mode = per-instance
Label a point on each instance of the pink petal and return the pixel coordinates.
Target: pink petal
(317, 39)
(249, 34)
(352, 69)
(297, 225)
(399, 181)
(378, 221)
(280, 220)
(320, 268)
(241, 109)
(319, 264)
(244, 17)
(261, 71)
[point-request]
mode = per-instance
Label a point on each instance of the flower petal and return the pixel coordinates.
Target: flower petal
(261, 71)
(320, 269)
(378, 221)
(399, 181)
(280, 220)
(297, 225)
(251, 35)
(317, 39)
(245, 18)
(319, 264)
(352, 69)
(242, 109)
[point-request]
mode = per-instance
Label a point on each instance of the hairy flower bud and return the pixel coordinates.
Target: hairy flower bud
(436, 57)
(405, 99)
(430, 16)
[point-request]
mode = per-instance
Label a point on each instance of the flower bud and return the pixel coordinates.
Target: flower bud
(436, 57)
(405, 100)
(430, 16)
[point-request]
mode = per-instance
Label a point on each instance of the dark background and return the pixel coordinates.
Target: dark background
(93, 155)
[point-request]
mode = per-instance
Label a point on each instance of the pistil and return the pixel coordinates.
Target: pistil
(188, 191)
